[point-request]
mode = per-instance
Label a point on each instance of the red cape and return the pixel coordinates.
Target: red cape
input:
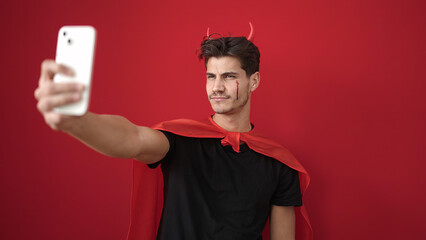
(147, 194)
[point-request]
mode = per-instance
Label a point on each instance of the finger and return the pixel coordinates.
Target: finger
(48, 103)
(37, 93)
(52, 119)
(49, 68)
(55, 120)
(51, 88)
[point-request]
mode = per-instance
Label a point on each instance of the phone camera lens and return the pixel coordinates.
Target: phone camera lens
(65, 33)
(69, 41)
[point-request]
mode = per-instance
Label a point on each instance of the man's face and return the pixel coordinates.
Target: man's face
(228, 87)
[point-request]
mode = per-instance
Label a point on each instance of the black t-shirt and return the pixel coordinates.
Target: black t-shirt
(214, 193)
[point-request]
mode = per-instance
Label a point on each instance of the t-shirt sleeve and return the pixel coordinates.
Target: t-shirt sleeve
(287, 192)
(171, 137)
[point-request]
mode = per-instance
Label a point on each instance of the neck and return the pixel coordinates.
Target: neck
(233, 122)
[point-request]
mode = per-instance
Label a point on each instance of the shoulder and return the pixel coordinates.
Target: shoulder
(190, 128)
(180, 122)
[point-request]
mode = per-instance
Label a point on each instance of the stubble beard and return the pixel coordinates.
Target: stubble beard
(233, 108)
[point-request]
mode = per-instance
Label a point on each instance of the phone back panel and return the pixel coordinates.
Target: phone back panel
(76, 49)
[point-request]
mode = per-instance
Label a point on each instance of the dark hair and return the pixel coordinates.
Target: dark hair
(239, 47)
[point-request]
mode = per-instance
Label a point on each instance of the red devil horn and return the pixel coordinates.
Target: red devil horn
(250, 36)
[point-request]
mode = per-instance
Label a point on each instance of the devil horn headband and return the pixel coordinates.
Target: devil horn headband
(250, 36)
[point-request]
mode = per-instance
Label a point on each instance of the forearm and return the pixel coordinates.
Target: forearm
(111, 135)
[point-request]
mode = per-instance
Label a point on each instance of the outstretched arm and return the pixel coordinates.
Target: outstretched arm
(111, 135)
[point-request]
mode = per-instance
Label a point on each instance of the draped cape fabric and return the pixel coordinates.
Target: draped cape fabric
(147, 192)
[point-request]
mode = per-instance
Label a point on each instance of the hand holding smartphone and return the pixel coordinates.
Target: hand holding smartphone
(76, 49)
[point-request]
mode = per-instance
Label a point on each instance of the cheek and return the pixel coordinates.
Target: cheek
(240, 87)
(238, 84)
(207, 87)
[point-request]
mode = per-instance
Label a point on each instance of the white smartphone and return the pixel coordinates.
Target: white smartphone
(76, 50)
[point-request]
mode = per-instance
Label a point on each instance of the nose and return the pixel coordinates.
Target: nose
(218, 85)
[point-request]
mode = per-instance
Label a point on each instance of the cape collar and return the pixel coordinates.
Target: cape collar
(231, 138)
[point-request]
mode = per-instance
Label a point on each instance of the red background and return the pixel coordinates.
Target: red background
(343, 87)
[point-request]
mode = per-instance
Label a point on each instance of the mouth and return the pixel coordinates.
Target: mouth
(218, 98)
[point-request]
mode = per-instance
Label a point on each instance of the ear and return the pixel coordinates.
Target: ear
(254, 81)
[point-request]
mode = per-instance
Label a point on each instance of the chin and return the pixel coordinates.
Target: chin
(220, 110)
(223, 110)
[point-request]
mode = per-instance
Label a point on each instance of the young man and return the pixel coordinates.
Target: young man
(221, 179)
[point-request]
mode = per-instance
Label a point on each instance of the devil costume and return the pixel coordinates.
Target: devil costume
(217, 185)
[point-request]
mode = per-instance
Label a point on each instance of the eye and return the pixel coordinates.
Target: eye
(210, 77)
(230, 76)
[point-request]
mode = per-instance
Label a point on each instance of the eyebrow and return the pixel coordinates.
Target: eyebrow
(225, 73)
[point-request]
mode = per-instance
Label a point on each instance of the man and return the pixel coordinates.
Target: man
(221, 180)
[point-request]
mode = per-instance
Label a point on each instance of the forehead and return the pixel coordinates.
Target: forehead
(223, 64)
